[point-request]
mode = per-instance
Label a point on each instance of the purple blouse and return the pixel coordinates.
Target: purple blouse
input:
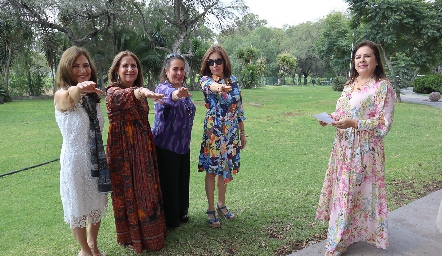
(173, 121)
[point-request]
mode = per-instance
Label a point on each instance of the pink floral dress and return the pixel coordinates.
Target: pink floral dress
(353, 196)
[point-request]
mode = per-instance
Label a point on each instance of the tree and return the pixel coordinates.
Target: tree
(299, 42)
(267, 41)
(198, 49)
(408, 26)
(13, 34)
(94, 17)
(250, 66)
(244, 26)
(334, 44)
(185, 16)
(52, 45)
(405, 69)
(287, 65)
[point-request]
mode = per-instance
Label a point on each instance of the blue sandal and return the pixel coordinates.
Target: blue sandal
(214, 223)
(229, 215)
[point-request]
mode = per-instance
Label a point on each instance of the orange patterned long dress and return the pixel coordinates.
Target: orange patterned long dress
(136, 196)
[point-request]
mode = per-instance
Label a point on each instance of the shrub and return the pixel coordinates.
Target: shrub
(4, 96)
(427, 84)
(338, 83)
(249, 76)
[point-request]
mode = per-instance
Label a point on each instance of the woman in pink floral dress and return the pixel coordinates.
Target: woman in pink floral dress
(353, 196)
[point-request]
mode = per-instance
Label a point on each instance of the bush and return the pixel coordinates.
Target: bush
(338, 83)
(249, 76)
(4, 96)
(427, 84)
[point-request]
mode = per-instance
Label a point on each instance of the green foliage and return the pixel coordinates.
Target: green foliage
(252, 68)
(335, 42)
(267, 41)
(405, 69)
(4, 95)
(287, 64)
(338, 83)
(198, 48)
(27, 78)
(249, 76)
(412, 27)
(247, 55)
(427, 84)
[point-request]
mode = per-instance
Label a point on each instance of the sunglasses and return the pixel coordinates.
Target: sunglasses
(212, 62)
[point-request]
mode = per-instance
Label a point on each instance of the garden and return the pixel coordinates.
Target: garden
(274, 195)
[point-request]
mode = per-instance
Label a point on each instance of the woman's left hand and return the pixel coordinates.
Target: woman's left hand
(345, 123)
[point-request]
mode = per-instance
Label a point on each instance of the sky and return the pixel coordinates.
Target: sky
(293, 12)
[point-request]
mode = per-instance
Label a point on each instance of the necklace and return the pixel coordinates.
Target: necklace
(359, 87)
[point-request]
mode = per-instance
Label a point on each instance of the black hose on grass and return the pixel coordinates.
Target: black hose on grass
(27, 168)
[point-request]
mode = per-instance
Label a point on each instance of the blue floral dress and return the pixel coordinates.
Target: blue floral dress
(220, 148)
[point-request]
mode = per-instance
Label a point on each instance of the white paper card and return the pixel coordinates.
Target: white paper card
(324, 118)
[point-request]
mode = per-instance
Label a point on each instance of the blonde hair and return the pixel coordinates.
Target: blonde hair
(64, 77)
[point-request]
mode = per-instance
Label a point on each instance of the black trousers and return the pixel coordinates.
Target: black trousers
(174, 170)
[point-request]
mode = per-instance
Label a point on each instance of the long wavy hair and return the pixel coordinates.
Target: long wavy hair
(205, 70)
(113, 75)
(379, 71)
(64, 77)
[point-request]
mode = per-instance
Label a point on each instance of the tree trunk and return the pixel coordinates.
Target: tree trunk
(54, 88)
(193, 85)
(8, 63)
(151, 83)
(397, 89)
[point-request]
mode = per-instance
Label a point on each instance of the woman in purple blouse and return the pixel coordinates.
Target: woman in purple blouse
(172, 131)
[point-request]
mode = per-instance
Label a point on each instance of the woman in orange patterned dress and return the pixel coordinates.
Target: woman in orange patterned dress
(136, 197)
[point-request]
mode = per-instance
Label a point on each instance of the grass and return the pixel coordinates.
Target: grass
(274, 195)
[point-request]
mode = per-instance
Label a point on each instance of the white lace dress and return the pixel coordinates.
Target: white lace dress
(82, 203)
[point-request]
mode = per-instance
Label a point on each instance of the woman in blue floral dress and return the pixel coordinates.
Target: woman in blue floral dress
(224, 135)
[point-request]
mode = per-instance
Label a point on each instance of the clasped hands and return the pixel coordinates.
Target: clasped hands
(345, 123)
(348, 123)
(342, 124)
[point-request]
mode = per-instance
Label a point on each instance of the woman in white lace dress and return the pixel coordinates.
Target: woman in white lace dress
(84, 179)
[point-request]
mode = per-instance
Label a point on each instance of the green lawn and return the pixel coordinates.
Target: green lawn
(274, 195)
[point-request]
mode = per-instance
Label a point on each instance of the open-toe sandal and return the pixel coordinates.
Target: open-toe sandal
(213, 222)
(225, 212)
